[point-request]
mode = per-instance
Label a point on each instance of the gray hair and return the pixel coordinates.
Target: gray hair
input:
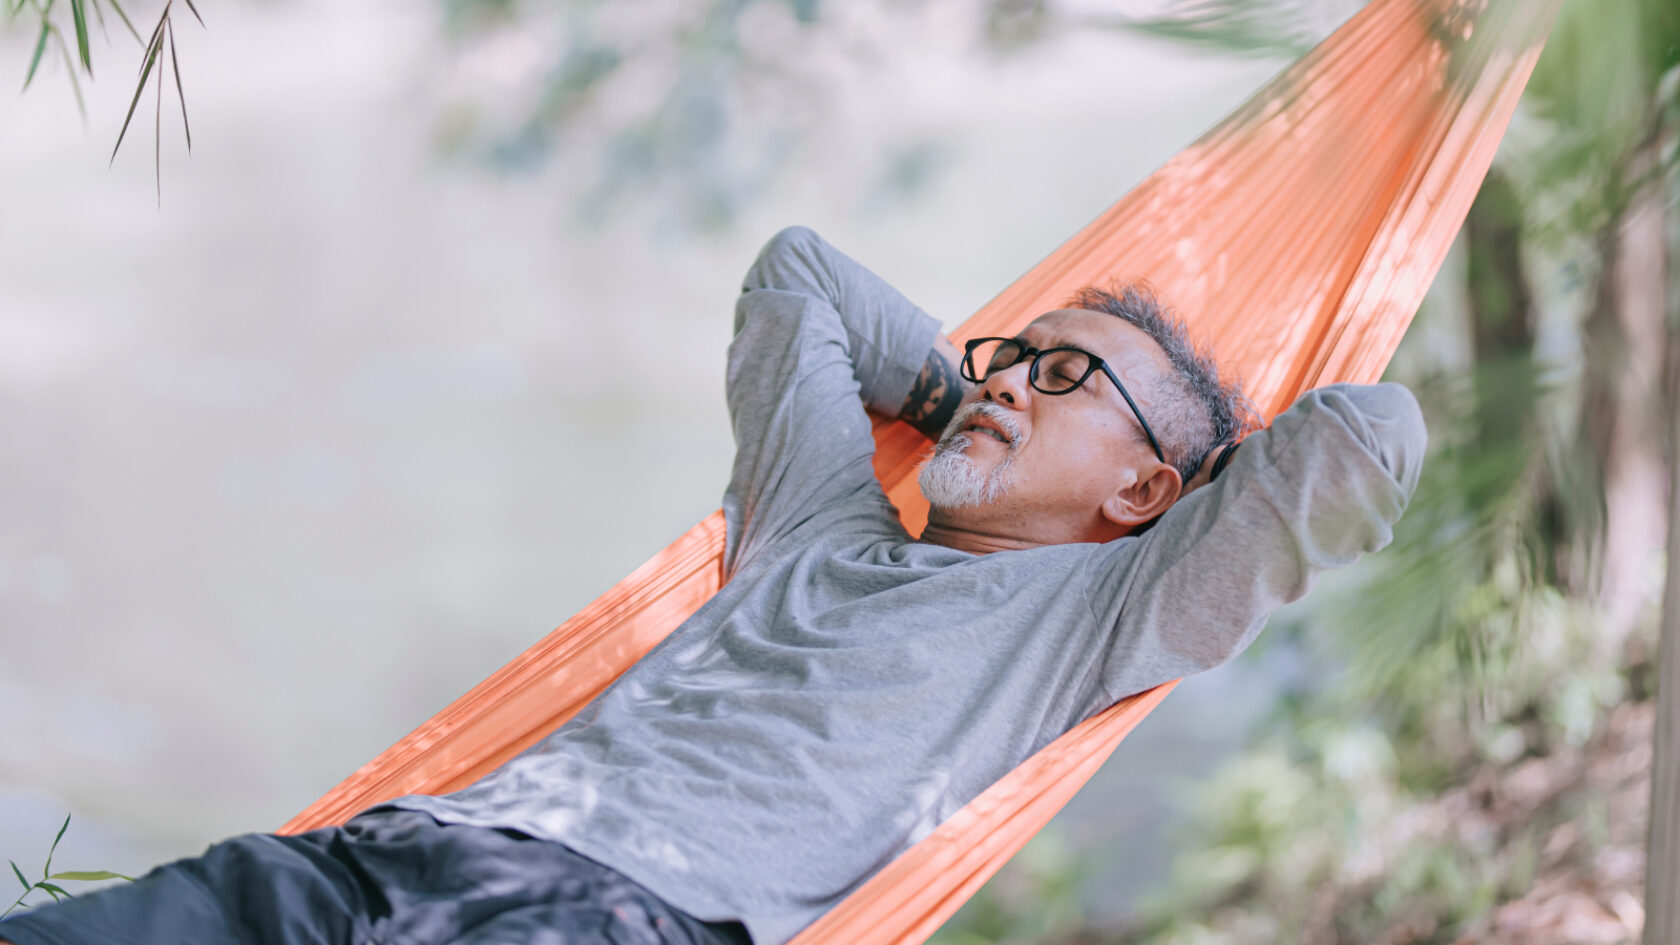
(1192, 410)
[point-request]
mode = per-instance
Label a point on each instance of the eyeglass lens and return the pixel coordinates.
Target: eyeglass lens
(1058, 370)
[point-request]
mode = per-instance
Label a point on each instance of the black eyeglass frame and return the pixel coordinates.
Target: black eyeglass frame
(1028, 351)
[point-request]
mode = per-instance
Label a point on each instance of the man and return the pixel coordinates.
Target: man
(849, 687)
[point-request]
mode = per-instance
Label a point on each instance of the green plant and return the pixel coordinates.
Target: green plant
(51, 32)
(151, 60)
(48, 883)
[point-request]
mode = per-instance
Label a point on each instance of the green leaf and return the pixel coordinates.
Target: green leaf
(180, 93)
(27, 885)
(40, 49)
(70, 67)
(54, 848)
(78, 16)
(156, 41)
(157, 135)
(53, 891)
(145, 72)
(89, 876)
(194, 10)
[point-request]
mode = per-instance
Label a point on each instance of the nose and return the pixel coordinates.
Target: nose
(1010, 385)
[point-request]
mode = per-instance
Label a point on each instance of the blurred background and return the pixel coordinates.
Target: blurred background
(306, 432)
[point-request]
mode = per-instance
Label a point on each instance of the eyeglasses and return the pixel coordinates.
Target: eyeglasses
(1053, 371)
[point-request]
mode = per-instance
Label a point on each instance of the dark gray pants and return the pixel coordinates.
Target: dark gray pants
(387, 876)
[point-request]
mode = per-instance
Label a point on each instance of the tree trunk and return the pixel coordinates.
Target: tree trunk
(1662, 848)
(1628, 419)
(1622, 423)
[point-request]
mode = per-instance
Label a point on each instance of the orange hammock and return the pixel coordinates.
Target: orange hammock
(1299, 235)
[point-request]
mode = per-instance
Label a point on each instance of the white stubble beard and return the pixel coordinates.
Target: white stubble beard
(950, 479)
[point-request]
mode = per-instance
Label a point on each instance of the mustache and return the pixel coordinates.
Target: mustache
(999, 416)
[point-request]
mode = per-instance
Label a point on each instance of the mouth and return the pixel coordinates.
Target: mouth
(959, 476)
(978, 421)
(985, 427)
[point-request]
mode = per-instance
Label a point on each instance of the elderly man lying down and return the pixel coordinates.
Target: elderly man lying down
(850, 686)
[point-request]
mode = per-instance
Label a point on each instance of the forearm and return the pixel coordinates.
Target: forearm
(939, 388)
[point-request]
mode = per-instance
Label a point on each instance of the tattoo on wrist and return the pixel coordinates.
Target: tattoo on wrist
(934, 396)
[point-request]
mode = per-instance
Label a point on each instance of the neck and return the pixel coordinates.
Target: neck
(974, 542)
(984, 538)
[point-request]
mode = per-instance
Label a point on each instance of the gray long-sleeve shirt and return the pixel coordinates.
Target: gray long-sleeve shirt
(849, 688)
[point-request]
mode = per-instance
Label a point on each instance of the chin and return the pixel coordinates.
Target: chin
(950, 481)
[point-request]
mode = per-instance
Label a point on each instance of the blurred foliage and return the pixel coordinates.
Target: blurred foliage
(49, 881)
(699, 105)
(1607, 88)
(1038, 899)
(1247, 27)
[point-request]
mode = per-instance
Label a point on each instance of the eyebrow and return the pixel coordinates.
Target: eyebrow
(1056, 343)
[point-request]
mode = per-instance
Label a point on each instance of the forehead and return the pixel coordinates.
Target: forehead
(1110, 337)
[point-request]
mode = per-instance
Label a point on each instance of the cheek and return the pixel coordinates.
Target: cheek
(1074, 457)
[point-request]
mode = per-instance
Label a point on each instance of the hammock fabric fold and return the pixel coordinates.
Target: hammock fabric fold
(1298, 237)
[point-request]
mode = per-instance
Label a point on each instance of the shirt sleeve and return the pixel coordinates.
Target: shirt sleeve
(1324, 483)
(818, 338)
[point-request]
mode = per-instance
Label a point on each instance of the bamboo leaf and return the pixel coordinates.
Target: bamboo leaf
(35, 61)
(153, 44)
(27, 885)
(54, 891)
(78, 17)
(194, 10)
(145, 72)
(180, 93)
(89, 876)
(54, 848)
(157, 136)
(70, 65)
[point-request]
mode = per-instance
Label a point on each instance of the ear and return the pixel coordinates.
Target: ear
(1155, 489)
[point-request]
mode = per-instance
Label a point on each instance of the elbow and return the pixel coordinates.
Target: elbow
(1401, 438)
(793, 262)
(787, 261)
(1388, 424)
